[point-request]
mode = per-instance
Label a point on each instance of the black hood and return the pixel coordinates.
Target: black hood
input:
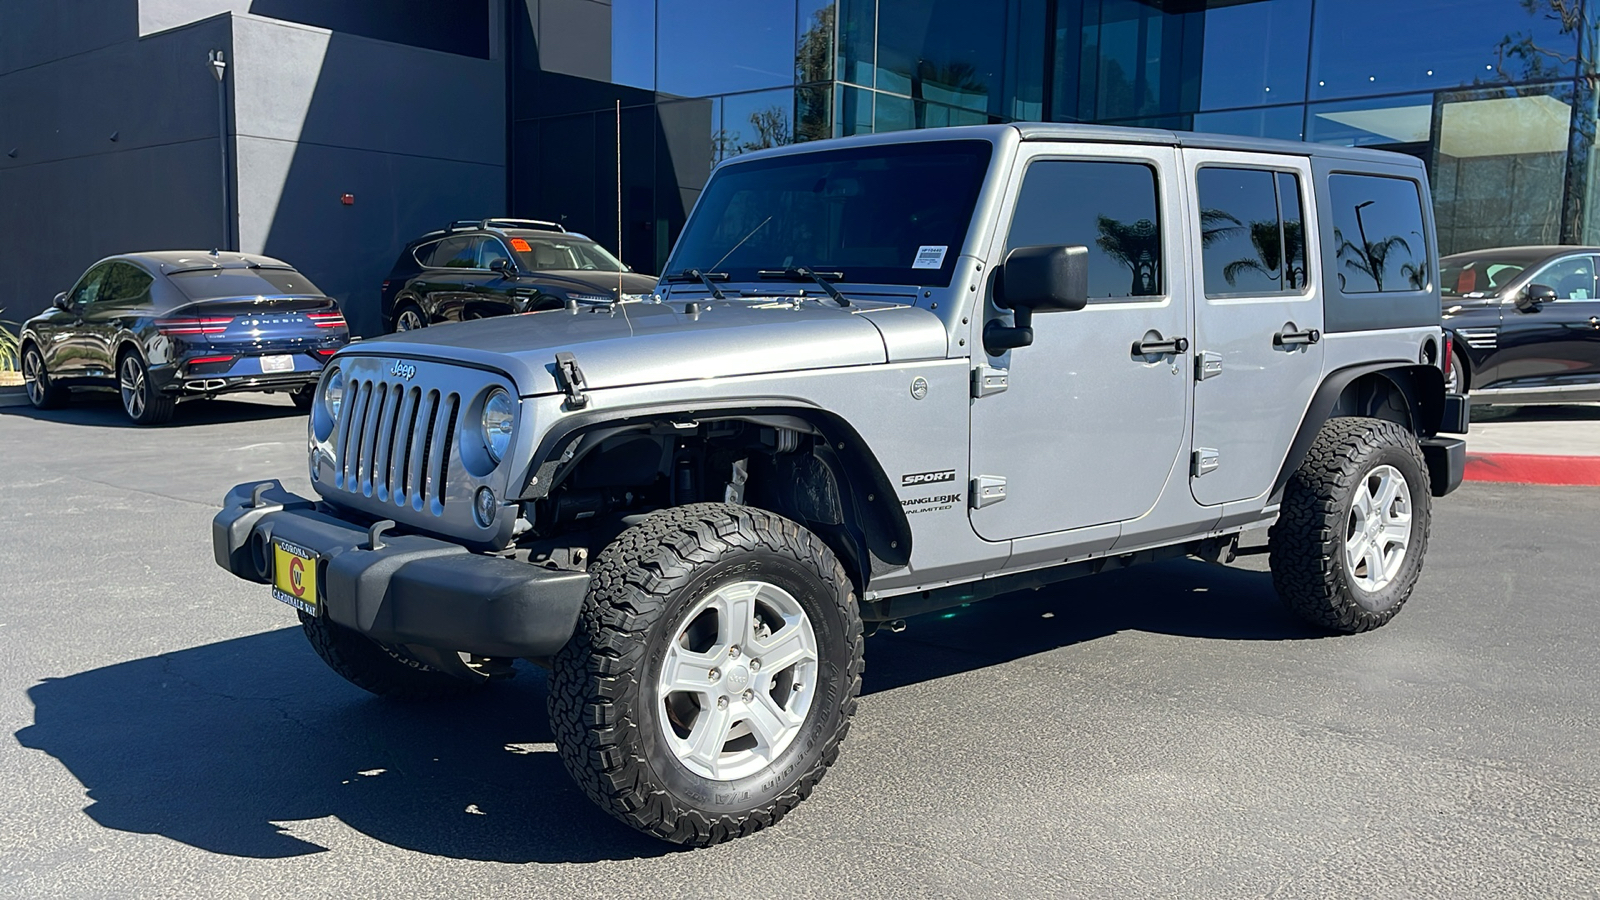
(589, 281)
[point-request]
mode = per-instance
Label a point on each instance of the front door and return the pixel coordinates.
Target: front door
(1258, 319)
(1557, 344)
(71, 350)
(1087, 430)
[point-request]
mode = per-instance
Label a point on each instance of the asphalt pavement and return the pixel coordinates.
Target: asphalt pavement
(1161, 732)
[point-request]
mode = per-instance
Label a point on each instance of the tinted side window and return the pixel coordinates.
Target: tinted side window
(423, 254)
(1571, 278)
(124, 283)
(1109, 207)
(491, 251)
(1377, 233)
(455, 253)
(1251, 237)
(85, 291)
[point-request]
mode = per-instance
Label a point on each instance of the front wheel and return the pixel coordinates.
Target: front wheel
(1455, 382)
(712, 675)
(143, 403)
(42, 392)
(1347, 548)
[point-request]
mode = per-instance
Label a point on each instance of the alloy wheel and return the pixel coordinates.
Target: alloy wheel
(131, 380)
(408, 321)
(33, 376)
(1378, 529)
(737, 680)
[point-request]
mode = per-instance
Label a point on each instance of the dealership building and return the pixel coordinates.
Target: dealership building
(328, 134)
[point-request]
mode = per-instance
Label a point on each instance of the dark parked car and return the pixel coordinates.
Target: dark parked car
(1524, 324)
(173, 325)
(494, 267)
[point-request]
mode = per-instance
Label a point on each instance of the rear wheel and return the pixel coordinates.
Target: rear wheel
(42, 392)
(303, 397)
(409, 317)
(1347, 548)
(712, 674)
(140, 400)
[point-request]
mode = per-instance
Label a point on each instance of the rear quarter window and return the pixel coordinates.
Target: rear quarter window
(1380, 244)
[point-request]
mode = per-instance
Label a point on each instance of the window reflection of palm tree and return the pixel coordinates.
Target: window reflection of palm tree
(1137, 246)
(1270, 244)
(1372, 259)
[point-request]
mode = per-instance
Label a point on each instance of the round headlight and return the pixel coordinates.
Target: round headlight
(333, 393)
(499, 412)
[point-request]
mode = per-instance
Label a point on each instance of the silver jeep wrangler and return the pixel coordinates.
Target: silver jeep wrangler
(884, 375)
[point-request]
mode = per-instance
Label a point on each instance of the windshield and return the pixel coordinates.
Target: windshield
(1481, 275)
(211, 284)
(888, 214)
(541, 252)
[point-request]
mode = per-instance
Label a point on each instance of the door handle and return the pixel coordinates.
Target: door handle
(1594, 321)
(1160, 348)
(1296, 338)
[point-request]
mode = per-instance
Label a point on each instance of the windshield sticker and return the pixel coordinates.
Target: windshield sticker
(520, 245)
(929, 257)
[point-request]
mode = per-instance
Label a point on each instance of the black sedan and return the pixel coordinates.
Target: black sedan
(475, 269)
(173, 325)
(1524, 324)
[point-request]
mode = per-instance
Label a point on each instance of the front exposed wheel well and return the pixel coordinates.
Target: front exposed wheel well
(803, 464)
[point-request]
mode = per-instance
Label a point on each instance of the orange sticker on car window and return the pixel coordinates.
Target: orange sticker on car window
(520, 244)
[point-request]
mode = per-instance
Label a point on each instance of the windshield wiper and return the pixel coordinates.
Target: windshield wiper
(806, 273)
(708, 279)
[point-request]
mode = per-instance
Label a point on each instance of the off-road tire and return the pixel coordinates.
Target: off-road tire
(143, 403)
(604, 710)
(43, 393)
(375, 668)
(1306, 545)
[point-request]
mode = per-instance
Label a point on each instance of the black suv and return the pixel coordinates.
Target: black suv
(474, 269)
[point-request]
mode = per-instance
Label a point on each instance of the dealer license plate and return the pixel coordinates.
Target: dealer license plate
(294, 576)
(277, 364)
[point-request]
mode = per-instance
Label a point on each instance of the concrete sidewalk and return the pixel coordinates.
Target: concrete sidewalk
(1535, 444)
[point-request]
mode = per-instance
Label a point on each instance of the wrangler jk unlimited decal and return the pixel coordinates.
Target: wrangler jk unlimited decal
(922, 478)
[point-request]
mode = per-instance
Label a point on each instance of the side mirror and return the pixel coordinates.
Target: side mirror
(505, 268)
(1535, 296)
(1042, 279)
(60, 302)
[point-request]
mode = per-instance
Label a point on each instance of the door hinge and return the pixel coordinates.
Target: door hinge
(988, 380)
(987, 489)
(1205, 460)
(1207, 365)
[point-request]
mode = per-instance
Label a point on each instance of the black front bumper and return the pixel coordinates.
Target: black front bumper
(413, 590)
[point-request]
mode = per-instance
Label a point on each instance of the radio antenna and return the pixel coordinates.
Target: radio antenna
(619, 198)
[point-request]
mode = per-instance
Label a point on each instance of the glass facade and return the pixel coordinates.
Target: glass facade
(1495, 96)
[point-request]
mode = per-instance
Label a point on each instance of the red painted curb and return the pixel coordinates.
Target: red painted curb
(1527, 468)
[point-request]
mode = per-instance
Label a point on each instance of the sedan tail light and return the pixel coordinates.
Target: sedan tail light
(331, 319)
(1449, 355)
(193, 325)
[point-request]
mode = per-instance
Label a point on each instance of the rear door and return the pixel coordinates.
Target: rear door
(1258, 319)
(1087, 431)
(1557, 344)
(444, 286)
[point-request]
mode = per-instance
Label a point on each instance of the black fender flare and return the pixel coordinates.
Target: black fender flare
(869, 497)
(1422, 386)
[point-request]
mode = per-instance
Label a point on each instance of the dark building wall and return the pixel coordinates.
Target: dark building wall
(71, 194)
(414, 128)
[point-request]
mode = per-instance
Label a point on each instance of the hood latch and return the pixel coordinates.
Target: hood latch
(570, 378)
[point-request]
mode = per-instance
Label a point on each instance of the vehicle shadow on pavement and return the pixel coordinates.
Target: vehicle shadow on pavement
(1576, 412)
(104, 409)
(231, 747)
(1185, 598)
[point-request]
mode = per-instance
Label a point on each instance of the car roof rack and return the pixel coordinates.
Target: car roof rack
(496, 223)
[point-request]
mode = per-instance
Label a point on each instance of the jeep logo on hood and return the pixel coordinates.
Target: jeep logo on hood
(401, 370)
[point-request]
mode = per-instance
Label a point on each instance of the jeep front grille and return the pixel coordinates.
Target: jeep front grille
(393, 443)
